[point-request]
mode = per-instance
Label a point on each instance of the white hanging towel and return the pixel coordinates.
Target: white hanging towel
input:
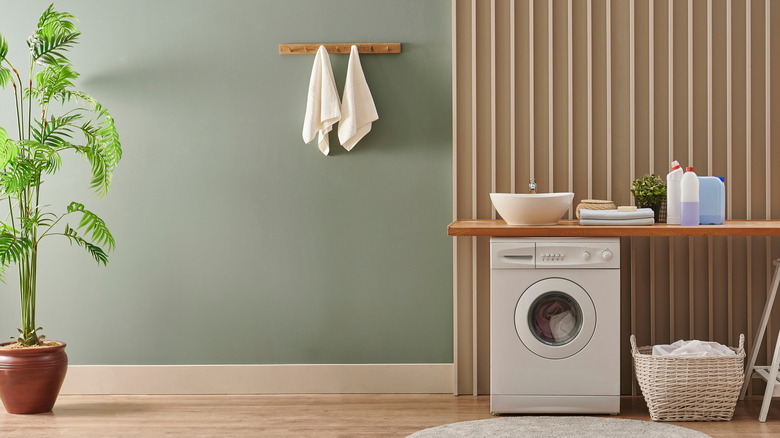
(323, 108)
(357, 105)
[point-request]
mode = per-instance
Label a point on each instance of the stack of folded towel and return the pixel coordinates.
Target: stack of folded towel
(642, 216)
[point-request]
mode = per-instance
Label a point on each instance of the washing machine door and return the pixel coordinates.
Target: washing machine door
(555, 318)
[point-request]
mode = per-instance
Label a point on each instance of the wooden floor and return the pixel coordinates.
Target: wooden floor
(365, 415)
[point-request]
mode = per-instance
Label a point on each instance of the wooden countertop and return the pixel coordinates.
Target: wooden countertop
(571, 228)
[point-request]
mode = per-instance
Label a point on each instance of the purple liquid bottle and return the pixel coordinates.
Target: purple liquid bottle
(689, 213)
(689, 197)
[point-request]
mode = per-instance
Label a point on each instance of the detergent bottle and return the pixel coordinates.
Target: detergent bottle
(712, 200)
(673, 188)
(689, 198)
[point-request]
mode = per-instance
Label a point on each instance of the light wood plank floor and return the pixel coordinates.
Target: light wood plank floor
(365, 415)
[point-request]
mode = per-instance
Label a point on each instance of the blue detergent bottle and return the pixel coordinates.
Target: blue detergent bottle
(712, 200)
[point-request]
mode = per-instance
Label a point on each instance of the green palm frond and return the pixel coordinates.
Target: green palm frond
(43, 157)
(53, 82)
(49, 47)
(94, 224)
(78, 96)
(17, 175)
(3, 48)
(57, 132)
(103, 149)
(5, 74)
(60, 21)
(101, 173)
(35, 219)
(5, 77)
(8, 150)
(95, 251)
(112, 148)
(66, 96)
(56, 33)
(12, 249)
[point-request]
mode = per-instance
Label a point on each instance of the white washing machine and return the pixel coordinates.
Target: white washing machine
(555, 325)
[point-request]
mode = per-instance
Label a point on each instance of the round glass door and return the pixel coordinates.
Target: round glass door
(555, 318)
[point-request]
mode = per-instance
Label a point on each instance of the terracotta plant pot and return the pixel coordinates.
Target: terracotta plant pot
(30, 378)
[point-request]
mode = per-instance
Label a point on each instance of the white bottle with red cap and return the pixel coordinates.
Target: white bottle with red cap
(689, 198)
(673, 188)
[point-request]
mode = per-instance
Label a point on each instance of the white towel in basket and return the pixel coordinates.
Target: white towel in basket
(693, 348)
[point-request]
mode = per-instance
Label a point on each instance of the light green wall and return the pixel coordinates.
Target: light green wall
(236, 242)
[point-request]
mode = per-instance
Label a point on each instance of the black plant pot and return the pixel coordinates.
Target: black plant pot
(659, 211)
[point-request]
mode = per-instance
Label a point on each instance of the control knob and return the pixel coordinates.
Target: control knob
(606, 255)
(585, 255)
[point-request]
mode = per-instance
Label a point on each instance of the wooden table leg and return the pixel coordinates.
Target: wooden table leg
(761, 330)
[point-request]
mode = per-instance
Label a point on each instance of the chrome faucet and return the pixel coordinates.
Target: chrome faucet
(532, 186)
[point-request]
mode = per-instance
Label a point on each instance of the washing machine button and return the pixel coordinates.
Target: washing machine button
(606, 255)
(585, 255)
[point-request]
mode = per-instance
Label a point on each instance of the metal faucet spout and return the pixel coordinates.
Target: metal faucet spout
(532, 186)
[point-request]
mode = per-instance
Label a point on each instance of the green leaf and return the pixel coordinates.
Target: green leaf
(74, 207)
(5, 74)
(103, 149)
(49, 49)
(5, 77)
(95, 251)
(3, 48)
(12, 249)
(93, 224)
(55, 129)
(41, 158)
(61, 21)
(56, 33)
(35, 219)
(52, 83)
(16, 175)
(8, 149)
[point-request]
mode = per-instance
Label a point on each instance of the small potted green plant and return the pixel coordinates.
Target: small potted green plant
(52, 118)
(650, 191)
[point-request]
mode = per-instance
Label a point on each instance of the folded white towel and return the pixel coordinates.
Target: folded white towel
(616, 222)
(323, 108)
(357, 105)
(615, 214)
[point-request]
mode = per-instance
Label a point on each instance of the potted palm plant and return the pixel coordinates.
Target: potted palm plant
(52, 118)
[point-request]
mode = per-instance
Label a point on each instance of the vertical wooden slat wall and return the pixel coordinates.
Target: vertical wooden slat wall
(588, 95)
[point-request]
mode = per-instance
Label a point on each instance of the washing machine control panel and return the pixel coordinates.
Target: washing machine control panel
(554, 253)
(579, 255)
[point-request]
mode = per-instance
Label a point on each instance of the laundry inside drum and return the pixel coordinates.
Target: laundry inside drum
(555, 318)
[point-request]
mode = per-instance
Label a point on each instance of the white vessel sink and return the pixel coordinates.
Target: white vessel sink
(532, 209)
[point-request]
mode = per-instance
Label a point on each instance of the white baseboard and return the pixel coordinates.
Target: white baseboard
(259, 379)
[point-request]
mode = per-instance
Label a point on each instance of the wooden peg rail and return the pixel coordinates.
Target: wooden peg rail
(311, 49)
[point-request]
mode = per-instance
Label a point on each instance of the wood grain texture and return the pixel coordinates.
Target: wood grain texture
(342, 48)
(571, 228)
(647, 86)
(332, 415)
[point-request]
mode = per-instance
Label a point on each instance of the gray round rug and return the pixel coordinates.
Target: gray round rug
(558, 427)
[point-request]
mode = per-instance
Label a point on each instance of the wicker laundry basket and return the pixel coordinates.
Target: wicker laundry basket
(689, 388)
